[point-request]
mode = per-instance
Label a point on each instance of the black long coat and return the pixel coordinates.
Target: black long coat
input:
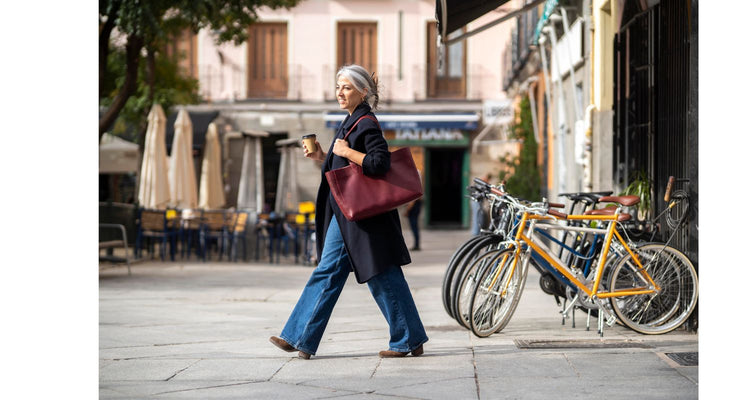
(376, 243)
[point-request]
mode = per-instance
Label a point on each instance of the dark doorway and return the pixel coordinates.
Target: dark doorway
(271, 162)
(445, 186)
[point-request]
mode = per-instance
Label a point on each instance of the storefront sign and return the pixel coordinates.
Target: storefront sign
(497, 112)
(427, 137)
(429, 134)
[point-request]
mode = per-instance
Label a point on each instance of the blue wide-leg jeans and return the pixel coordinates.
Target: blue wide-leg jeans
(306, 324)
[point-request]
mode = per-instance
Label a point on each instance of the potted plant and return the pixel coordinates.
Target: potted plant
(640, 186)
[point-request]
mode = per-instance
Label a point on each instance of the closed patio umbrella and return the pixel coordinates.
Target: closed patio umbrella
(183, 189)
(211, 194)
(153, 189)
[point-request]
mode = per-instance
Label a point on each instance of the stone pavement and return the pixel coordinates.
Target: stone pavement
(194, 330)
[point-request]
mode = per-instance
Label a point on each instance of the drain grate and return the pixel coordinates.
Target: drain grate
(688, 359)
(579, 344)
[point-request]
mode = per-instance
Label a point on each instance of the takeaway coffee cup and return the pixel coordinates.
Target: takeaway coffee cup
(309, 142)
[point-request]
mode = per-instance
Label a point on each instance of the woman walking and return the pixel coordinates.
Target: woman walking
(373, 248)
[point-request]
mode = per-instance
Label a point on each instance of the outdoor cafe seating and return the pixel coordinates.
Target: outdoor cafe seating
(156, 224)
(238, 233)
(222, 234)
(214, 232)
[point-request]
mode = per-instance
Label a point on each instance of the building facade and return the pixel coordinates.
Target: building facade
(622, 99)
(282, 81)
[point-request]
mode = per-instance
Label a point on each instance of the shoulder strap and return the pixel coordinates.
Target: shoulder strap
(360, 119)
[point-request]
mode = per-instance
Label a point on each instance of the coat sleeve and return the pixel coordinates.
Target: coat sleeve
(377, 159)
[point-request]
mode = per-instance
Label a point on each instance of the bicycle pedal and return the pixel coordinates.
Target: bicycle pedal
(611, 320)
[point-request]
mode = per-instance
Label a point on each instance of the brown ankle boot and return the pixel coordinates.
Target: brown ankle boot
(281, 343)
(393, 354)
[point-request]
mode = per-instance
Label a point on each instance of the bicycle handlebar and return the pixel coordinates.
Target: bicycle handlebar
(668, 193)
(481, 183)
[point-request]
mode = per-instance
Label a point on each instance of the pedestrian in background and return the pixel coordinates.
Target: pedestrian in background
(373, 248)
(412, 212)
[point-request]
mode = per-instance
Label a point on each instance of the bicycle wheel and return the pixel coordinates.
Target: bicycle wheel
(453, 264)
(665, 310)
(497, 292)
(468, 282)
(488, 243)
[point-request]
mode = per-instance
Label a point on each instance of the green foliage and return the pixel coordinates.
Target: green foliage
(170, 88)
(149, 25)
(640, 186)
(160, 18)
(522, 173)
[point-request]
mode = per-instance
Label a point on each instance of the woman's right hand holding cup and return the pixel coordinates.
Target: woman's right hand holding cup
(312, 148)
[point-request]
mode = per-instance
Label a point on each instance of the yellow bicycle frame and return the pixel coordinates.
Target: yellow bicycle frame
(592, 291)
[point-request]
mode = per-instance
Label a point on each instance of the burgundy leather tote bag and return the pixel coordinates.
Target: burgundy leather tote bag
(360, 196)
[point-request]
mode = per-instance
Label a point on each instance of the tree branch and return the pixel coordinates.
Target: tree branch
(104, 35)
(132, 59)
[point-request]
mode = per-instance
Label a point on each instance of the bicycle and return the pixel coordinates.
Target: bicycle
(652, 288)
(464, 259)
(473, 255)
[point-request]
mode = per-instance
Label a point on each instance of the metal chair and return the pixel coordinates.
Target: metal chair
(190, 226)
(156, 224)
(238, 233)
(214, 226)
(110, 245)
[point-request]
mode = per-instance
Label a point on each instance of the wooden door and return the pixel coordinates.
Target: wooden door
(267, 71)
(357, 44)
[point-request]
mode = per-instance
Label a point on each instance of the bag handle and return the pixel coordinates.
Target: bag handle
(360, 119)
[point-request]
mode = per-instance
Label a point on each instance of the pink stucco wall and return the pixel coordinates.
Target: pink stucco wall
(312, 51)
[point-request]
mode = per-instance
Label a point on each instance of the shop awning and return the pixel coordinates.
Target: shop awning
(463, 121)
(549, 7)
(117, 156)
(452, 15)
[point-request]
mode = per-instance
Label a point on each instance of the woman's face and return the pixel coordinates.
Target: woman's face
(347, 95)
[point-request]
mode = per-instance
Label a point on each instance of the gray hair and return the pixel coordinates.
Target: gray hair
(361, 79)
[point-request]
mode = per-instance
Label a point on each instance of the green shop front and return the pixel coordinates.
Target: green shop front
(439, 144)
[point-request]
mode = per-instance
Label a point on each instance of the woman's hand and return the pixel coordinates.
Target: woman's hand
(341, 148)
(317, 155)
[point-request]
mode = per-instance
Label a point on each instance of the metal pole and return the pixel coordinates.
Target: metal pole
(570, 63)
(561, 148)
(532, 104)
(549, 87)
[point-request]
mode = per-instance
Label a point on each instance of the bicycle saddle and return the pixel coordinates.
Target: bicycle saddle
(624, 200)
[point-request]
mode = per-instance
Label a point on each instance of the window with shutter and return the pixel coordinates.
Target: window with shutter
(449, 79)
(267, 71)
(357, 43)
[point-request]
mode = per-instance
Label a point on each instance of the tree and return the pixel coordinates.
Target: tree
(147, 24)
(522, 173)
(167, 87)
